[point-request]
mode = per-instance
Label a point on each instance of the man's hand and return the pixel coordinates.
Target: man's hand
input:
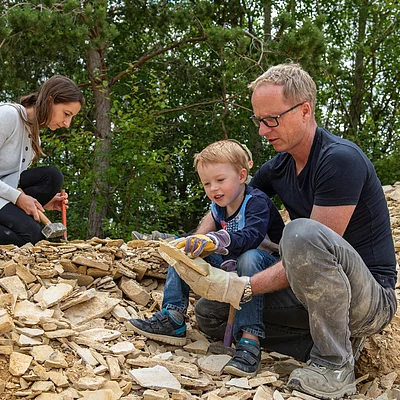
(203, 245)
(219, 285)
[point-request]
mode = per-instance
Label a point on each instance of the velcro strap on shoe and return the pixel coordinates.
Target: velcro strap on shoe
(254, 350)
(162, 319)
(248, 353)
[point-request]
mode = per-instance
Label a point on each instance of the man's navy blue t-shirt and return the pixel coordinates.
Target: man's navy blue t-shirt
(337, 173)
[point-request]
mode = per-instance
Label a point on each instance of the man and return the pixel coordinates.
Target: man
(337, 271)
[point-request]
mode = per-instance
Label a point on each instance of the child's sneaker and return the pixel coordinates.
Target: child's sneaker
(246, 360)
(162, 326)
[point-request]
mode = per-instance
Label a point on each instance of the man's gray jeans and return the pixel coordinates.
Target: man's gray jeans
(333, 297)
(334, 285)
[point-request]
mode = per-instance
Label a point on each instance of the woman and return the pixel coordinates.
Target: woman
(53, 106)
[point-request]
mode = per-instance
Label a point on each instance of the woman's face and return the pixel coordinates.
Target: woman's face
(62, 113)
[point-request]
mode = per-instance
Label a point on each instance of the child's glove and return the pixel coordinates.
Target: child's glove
(229, 266)
(226, 287)
(203, 245)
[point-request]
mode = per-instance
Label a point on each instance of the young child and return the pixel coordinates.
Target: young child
(156, 235)
(243, 218)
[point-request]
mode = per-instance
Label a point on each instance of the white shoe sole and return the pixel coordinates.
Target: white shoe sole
(176, 341)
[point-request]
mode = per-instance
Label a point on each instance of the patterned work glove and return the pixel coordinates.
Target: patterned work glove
(229, 266)
(203, 245)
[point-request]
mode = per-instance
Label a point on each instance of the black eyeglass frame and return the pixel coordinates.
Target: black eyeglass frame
(257, 121)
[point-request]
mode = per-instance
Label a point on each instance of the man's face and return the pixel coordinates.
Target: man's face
(268, 100)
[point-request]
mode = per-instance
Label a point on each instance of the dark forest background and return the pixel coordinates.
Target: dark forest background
(162, 79)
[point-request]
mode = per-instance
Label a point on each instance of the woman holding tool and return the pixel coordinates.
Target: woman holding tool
(54, 105)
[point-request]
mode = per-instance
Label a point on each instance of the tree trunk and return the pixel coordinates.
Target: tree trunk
(355, 108)
(100, 189)
(267, 20)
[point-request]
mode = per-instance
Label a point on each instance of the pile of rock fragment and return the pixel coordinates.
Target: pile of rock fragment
(63, 335)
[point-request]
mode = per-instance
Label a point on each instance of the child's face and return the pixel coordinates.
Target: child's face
(222, 183)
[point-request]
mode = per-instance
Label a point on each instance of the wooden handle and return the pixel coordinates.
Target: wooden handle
(63, 210)
(228, 336)
(64, 214)
(43, 218)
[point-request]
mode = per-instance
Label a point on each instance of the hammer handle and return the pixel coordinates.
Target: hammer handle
(64, 214)
(43, 218)
(228, 335)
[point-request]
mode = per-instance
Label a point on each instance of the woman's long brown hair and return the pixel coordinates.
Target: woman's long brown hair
(58, 89)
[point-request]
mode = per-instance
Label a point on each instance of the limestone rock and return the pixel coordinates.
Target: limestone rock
(157, 377)
(6, 322)
(214, 364)
(30, 312)
(19, 363)
(14, 285)
(54, 294)
(134, 291)
(97, 307)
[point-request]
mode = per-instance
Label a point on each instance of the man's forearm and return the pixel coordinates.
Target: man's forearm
(270, 280)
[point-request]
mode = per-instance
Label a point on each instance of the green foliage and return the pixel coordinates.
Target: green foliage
(175, 104)
(387, 169)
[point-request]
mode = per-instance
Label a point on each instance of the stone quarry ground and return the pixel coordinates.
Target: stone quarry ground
(63, 308)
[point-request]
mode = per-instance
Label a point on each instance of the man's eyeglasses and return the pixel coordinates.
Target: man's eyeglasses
(272, 121)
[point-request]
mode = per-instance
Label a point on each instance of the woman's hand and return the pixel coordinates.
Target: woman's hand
(30, 205)
(56, 202)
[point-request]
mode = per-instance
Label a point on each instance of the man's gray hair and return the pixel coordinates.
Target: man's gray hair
(297, 84)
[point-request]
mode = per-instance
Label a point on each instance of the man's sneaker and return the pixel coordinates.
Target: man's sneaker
(246, 360)
(140, 236)
(323, 382)
(155, 235)
(161, 327)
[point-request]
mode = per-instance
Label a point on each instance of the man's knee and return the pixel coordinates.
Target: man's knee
(298, 237)
(301, 238)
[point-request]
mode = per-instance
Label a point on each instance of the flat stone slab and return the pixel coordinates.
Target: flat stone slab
(97, 307)
(134, 291)
(101, 335)
(30, 312)
(56, 360)
(88, 383)
(54, 294)
(6, 322)
(198, 347)
(157, 377)
(14, 285)
(169, 253)
(31, 332)
(214, 364)
(123, 348)
(19, 363)
(88, 262)
(41, 353)
(239, 382)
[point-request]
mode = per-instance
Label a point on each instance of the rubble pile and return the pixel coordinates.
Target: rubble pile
(63, 332)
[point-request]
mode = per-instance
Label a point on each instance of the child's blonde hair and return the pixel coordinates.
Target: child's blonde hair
(221, 152)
